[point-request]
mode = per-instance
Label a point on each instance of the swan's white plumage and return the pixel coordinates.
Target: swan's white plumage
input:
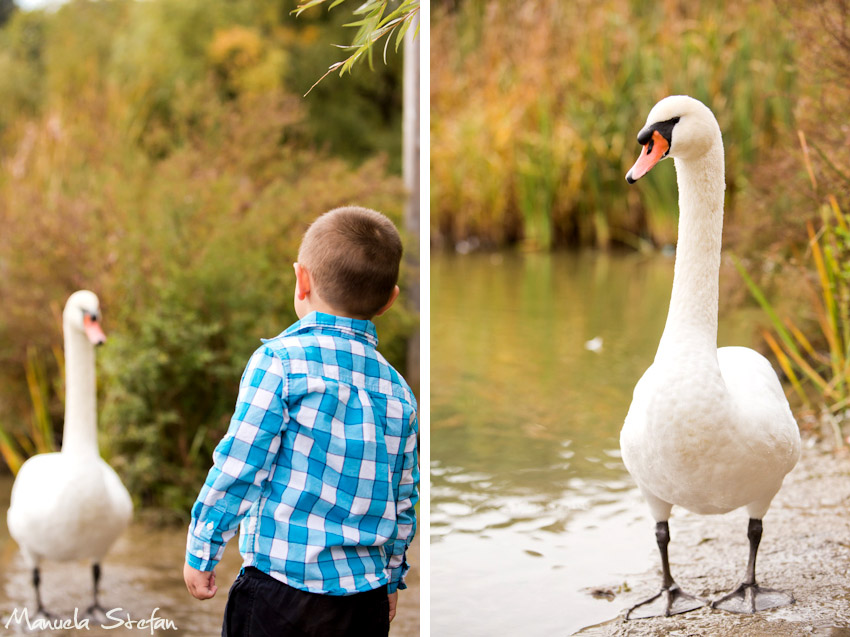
(715, 446)
(71, 504)
(708, 429)
(65, 508)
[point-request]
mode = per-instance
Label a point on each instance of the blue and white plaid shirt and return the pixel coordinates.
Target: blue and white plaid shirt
(319, 466)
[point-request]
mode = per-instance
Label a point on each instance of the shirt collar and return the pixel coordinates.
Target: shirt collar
(358, 329)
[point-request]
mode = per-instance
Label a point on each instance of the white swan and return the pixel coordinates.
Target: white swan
(71, 505)
(708, 429)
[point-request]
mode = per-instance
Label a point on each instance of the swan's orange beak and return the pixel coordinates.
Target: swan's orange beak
(653, 152)
(93, 330)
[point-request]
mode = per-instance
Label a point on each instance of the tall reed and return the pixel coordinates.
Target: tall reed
(16, 443)
(813, 350)
(534, 109)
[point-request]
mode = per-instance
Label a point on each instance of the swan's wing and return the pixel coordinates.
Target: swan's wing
(635, 424)
(33, 490)
(767, 424)
(122, 503)
(34, 497)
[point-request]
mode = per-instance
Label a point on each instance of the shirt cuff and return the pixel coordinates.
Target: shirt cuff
(201, 555)
(397, 576)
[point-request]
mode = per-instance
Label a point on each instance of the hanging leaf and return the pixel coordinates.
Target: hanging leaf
(377, 21)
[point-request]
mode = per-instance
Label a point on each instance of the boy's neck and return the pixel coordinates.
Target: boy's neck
(336, 314)
(309, 305)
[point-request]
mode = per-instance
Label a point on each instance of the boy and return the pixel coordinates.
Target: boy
(319, 463)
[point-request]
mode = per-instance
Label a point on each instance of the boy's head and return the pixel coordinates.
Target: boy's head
(348, 264)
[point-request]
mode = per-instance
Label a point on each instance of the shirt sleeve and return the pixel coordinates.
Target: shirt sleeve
(241, 461)
(408, 496)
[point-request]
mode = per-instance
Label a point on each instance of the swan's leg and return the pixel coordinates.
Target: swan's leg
(36, 582)
(749, 597)
(96, 610)
(671, 600)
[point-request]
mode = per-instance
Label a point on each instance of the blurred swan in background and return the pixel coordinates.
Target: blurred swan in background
(71, 505)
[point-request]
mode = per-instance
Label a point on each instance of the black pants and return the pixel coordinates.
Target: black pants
(261, 606)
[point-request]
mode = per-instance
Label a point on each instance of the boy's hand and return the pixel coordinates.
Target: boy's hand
(201, 584)
(393, 603)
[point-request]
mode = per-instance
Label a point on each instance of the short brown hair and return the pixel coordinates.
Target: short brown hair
(353, 255)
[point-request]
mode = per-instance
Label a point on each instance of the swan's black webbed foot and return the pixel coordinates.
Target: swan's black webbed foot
(96, 614)
(669, 601)
(751, 598)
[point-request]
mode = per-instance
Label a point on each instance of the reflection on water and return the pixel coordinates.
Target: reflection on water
(531, 507)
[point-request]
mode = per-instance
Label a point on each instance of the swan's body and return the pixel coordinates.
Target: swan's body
(71, 505)
(67, 508)
(710, 435)
(708, 429)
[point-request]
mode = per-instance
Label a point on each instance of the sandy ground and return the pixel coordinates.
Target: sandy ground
(805, 550)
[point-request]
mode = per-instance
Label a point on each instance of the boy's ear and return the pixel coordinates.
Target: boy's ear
(302, 282)
(389, 303)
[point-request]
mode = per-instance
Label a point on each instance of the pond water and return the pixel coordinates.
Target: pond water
(534, 358)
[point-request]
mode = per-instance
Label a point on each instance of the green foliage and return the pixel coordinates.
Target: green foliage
(170, 379)
(377, 19)
(156, 65)
(21, 66)
(354, 117)
(164, 159)
(535, 108)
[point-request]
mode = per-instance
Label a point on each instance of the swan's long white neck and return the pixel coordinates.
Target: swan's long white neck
(80, 433)
(694, 302)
